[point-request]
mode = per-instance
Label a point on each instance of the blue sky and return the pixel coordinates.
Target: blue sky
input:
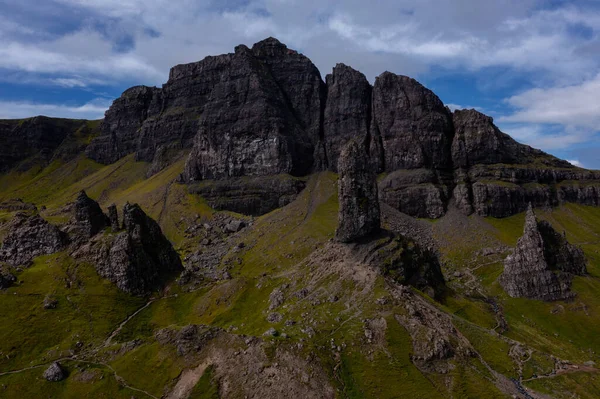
(533, 65)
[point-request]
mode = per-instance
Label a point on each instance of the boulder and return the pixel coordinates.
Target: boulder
(55, 373)
(29, 237)
(359, 214)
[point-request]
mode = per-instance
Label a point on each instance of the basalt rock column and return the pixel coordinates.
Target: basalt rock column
(359, 214)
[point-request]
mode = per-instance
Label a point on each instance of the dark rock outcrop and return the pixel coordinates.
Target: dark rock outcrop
(88, 216)
(250, 195)
(121, 126)
(113, 217)
(359, 214)
(263, 112)
(413, 124)
(55, 373)
(412, 131)
(29, 237)
(6, 278)
(541, 269)
(348, 110)
(135, 259)
(251, 126)
(35, 141)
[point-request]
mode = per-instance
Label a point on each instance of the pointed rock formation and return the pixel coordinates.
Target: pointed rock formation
(137, 258)
(359, 214)
(348, 110)
(537, 269)
(29, 237)
(113, 217)
(89, 216)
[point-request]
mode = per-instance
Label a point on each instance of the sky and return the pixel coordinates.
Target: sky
(533, 65)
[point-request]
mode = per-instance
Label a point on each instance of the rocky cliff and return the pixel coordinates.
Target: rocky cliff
(359, 214)
(37, 141)
(542, 264)
(265, 111)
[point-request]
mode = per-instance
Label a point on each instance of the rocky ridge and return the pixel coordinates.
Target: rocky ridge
(264, 111)
(39, 140)
(542, 264)
(135, 259)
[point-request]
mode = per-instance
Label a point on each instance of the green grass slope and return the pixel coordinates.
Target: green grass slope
(288, 249)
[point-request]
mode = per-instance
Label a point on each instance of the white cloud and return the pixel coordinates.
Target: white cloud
(575, 105)
(575, 162)
(16, 110)
(546, 137)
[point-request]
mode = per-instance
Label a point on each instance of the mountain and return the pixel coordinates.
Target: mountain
(252, 230)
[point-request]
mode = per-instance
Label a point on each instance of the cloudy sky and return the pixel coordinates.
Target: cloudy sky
(533, 65)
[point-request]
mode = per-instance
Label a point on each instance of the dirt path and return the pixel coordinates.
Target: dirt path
(127, 320)
(187, 382)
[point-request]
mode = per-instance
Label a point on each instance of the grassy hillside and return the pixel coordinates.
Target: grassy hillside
(331, 301)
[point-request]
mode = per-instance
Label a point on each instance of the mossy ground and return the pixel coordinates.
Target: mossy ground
(277, 252)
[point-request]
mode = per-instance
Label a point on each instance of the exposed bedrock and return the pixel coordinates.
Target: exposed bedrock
(359, 214)
(265, 111)
(29, 237)
(37, 141)
(250, 195)
(348, 110)
(543, 263)
(136, 259)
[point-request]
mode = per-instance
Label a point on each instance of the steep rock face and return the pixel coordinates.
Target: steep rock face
(299, 80)
(88, 216)
(528, 271)
(478, 141)
(348, 110)
(559, 253)
(414, 125)
(412, 129)
(247, 129)
(265, 111)
(250, 195)
(137, 258)
(412, 192)
(30, 237)
(496, 176)
(33, 139)
(122, 122)
(359, 214)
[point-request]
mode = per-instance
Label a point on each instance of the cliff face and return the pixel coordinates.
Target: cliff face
(265, 111)
(39, 140)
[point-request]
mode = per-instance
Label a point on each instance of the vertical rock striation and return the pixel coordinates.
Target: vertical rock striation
(264, 111)
(359, 214)
(542, 264)
(348, 110)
